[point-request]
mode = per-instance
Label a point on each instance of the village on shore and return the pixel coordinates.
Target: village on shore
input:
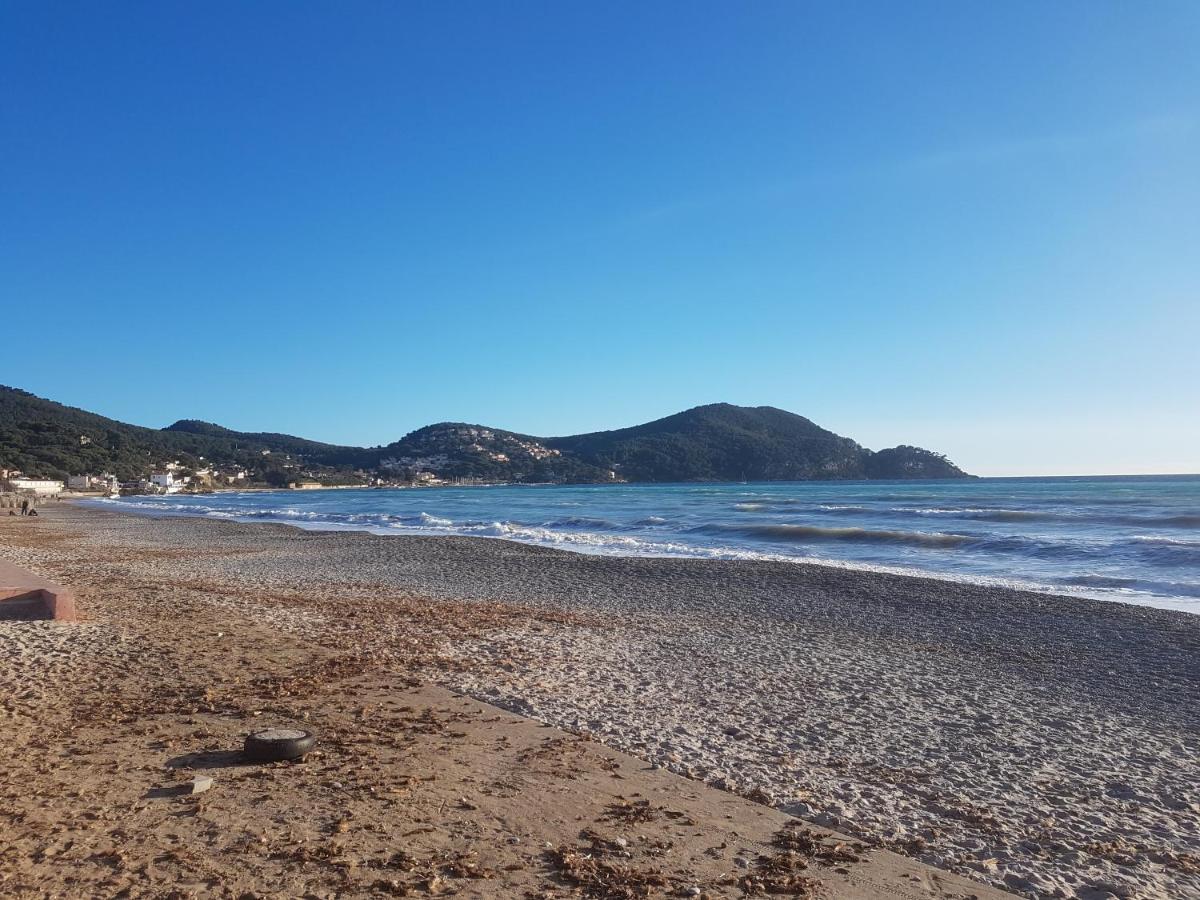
(174, 477)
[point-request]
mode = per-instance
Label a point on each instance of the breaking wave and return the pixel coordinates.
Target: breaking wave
(811, 533)
(1140, 585)
(1137, 540)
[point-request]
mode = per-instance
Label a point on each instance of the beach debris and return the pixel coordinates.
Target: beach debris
(200, 784)
(796, 838)
(780, 873)
(783, 872)
(462, 865)
(600, 879)
(431, 875)
(679, 817)
(275, 744)
(630, 812)
(758, 795)
(602, 845)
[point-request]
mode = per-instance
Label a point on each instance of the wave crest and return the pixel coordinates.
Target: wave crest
(803, 534)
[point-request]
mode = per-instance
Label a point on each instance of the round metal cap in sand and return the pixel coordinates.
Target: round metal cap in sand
(273, 744)
(279, 734)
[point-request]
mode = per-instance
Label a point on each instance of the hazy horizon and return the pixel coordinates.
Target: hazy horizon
(964, 227)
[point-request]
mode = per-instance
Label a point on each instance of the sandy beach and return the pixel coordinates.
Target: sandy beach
(1045, 746)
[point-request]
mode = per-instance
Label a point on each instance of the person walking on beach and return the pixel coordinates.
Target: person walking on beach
(25, 507)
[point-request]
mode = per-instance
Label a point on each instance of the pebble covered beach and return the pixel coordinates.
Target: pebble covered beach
(1046, 746)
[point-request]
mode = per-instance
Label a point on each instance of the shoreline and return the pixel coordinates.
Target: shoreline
(1125, 596)
(1043, 744)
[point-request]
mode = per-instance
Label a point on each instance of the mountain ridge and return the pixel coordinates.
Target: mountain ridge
(712, 442)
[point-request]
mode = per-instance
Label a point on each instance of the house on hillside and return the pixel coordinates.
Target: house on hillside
(165, 482)
(106, 482)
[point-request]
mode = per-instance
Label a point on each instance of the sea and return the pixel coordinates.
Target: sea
(1129, 539)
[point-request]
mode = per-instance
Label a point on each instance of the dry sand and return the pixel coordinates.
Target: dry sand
(1044, 745)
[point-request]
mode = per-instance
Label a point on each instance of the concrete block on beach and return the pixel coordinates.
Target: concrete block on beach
(24, 595)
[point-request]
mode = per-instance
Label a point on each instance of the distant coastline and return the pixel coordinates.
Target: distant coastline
(719, 442)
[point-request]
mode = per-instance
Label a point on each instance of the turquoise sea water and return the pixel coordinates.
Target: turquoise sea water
(1134, 539)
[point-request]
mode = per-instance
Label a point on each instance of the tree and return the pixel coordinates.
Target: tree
(277, 478)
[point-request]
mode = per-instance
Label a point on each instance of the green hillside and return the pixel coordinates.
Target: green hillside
(719, 442)
(461, 450)
(41, 437)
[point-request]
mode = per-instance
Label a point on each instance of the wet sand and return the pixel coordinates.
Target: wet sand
(1044, 745)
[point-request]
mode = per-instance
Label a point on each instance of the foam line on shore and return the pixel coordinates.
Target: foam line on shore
(1133, 591)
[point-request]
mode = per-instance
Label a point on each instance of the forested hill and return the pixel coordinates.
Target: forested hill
(41, 437)
(226, 440)
(719, 442)
(722, 442)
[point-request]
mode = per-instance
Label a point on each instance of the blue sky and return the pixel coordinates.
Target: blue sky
(969, 226)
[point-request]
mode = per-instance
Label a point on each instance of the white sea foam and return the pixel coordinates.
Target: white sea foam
(1072, 549)
(427, 519)
(1163, 541)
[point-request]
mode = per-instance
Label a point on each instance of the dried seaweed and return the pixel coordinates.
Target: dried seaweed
(780, 874)
(812, 846)
(630, 812)
(600, 879)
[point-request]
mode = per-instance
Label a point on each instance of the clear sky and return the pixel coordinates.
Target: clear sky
(971, 226)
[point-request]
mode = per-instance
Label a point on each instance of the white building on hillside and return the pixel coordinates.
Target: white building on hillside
(105, 482)
(40, 486)
(166, 482)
